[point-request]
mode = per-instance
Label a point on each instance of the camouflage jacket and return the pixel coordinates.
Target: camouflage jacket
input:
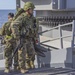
(6, 30)
(24, 24)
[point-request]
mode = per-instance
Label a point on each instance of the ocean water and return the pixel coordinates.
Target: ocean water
(4, 16)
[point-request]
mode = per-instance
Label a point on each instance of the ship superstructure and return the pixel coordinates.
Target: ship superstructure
(58, 18)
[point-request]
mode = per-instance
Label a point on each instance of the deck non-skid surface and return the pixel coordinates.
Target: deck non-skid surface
(43, 71)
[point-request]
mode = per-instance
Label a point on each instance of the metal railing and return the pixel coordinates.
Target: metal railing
(60, 33)
(2, 52)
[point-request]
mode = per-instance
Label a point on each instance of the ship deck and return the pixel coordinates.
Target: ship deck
(43, 71)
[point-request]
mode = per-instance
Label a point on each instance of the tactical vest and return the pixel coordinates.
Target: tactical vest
(29, 25)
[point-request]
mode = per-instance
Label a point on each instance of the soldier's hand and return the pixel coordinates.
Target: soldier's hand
(36, 41)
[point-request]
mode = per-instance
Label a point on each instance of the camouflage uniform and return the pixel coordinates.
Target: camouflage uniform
(25, 24)
(18, 13)
(33, 22)
(30, 43)
(10, 45)
(15, 26)
(30, 57)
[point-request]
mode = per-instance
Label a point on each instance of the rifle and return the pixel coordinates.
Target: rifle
(38, 48)
(19, 46)
(43, 32)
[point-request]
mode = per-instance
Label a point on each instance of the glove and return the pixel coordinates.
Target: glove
(36, 41)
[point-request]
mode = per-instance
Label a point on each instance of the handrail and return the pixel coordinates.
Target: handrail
(56, 38)
(2, 54)
(61, 25)
(48, 46)
(60, 33)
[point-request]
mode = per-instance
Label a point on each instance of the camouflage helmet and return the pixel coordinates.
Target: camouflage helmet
(28, 5)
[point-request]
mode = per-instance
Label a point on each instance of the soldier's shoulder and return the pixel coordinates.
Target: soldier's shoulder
(19, 18)
(23, 14)
(5, 23)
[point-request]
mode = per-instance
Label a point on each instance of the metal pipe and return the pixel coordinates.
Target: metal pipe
(57, 38)
(62, 25)
(17, 4)
(61, 39)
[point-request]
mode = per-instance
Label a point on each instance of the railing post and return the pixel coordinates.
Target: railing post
(73, 44)
(73, 33)
(3, 54)
(60, 35)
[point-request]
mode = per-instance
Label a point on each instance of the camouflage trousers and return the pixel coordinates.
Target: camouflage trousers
(30, 55)
(21, 56)
(25, 54)
(9, 48)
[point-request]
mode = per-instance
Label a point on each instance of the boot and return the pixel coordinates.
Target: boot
(32, 64)
(28, 65)
(16, 68)
(23, 71)
(7, 70)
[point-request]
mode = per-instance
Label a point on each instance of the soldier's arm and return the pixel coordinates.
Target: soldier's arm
(15, 26)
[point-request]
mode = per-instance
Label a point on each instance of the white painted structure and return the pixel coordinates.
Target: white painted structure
(49, 4)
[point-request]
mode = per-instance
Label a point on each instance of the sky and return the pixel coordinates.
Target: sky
(7, 4)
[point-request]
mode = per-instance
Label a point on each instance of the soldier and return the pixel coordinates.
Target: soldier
(25, 25)
(33, 34)
(10, 44)
(31, 57)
